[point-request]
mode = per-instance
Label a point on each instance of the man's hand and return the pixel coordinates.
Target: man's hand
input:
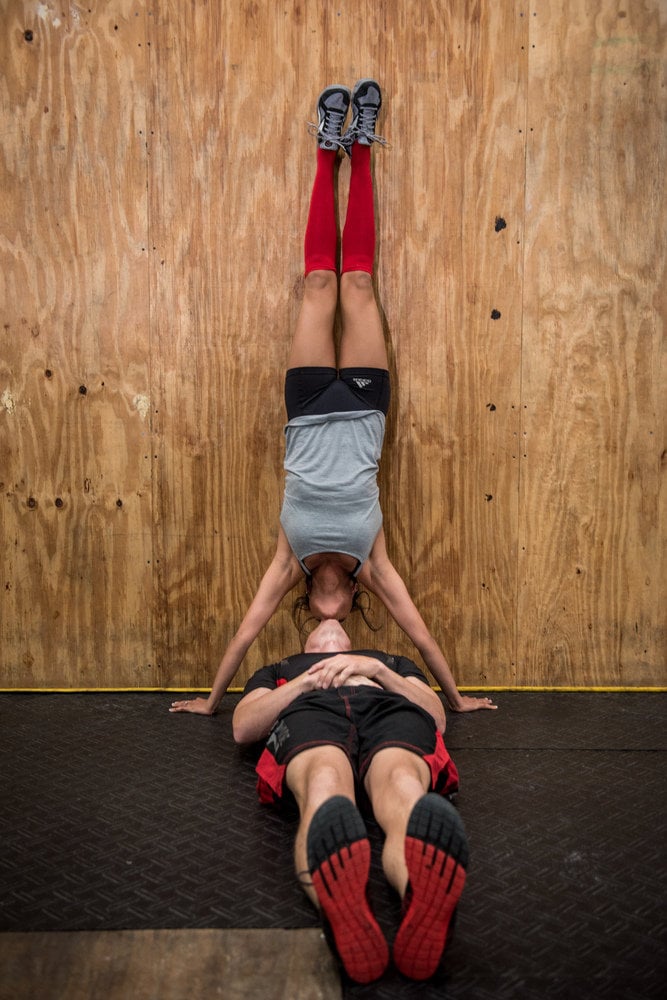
(199, 706)
(468, 704)
(340, 669)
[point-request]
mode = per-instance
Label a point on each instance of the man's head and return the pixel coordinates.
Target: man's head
(328, 637)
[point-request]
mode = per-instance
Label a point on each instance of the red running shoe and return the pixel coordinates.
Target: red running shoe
(339, 861)
(436, 852)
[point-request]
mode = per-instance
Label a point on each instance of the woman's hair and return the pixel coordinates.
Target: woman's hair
(305, 622)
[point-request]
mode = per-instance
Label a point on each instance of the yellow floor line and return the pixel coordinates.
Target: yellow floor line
(237, 690)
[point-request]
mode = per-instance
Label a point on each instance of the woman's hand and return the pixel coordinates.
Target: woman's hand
(467, 704)
(198, 706)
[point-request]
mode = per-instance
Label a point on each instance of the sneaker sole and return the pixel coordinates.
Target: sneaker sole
(436, 853)
(339, 862)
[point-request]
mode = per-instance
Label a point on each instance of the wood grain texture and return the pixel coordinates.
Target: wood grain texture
(154, 182)
(170, 964)
(591, 600)
(74, 369)
(446, 266)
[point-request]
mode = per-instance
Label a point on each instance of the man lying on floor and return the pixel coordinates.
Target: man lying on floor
(333, 717)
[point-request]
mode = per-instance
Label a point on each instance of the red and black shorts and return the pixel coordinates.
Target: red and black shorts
(360, 720)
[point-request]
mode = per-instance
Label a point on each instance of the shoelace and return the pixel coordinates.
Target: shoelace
(331, 126)
(364, 124)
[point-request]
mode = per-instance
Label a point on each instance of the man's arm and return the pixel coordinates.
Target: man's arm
(380, 576)
(280, 577)
(258, 710)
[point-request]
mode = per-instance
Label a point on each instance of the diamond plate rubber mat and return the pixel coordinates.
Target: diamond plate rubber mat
(116, 814)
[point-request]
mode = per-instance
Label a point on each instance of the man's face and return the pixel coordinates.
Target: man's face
(328, 637)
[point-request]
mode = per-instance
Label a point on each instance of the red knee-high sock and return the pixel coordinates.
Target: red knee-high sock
(359, 228)
(321, 232)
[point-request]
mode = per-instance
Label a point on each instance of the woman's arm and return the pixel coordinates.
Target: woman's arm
(380, 576)
(280, 577)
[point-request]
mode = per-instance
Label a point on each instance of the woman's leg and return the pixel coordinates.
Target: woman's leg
(313, 342)
(362, 340)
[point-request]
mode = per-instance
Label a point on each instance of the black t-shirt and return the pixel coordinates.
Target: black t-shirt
(286, 670)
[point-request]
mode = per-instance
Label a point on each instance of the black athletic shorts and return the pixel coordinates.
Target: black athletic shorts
(360, 720)
(316, 391)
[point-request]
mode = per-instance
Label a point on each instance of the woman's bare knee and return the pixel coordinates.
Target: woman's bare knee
(356, 284)
(321, 283)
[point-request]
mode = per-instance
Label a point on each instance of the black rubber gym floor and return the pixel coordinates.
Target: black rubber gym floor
(117, 815)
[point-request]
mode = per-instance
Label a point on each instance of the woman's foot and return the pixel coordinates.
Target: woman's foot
(332, 107)
(366, 104)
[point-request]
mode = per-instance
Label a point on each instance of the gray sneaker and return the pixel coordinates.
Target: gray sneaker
(332, 108)
(366, 104)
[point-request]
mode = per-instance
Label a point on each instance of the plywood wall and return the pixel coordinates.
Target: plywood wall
(154, 178)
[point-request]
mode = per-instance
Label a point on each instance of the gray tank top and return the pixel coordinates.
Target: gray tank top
(332, 500)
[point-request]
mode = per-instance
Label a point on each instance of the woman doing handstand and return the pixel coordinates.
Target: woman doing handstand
(331, 523)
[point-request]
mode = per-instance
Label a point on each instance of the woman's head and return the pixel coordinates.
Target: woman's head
(325, 605)
(331, 605)
(331, 590)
